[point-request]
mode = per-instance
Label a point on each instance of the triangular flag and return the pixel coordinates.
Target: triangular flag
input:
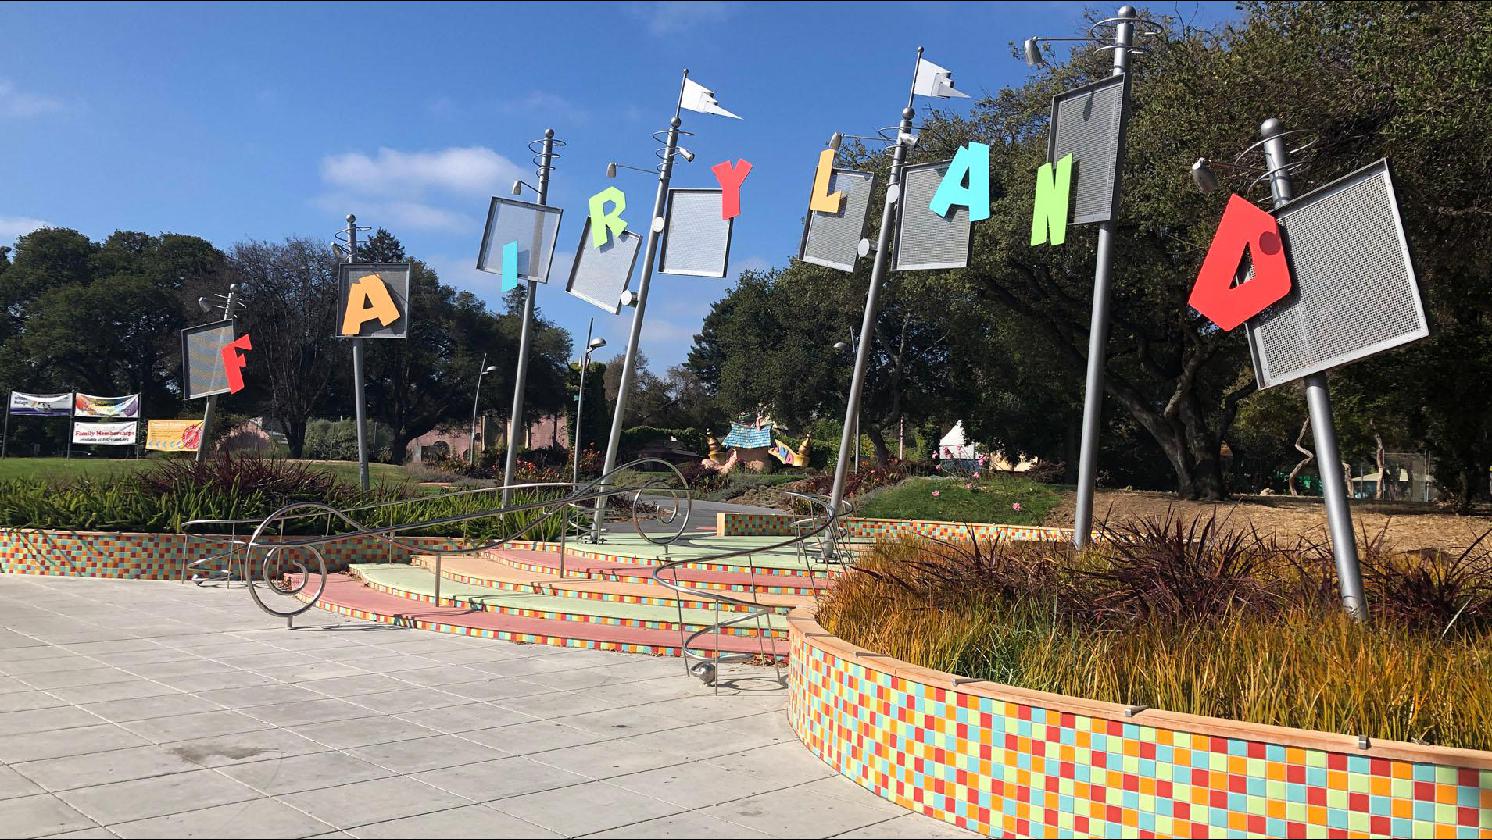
(699, 98)
(933, 80)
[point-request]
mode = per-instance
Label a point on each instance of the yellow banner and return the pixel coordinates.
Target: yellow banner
(174, 435)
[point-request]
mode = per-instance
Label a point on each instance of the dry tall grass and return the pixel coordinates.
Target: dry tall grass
(1181, 617)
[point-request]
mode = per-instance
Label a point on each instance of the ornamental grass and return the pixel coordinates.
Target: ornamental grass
(1190, 617)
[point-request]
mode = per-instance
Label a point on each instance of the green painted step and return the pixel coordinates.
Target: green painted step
(419, 583)
(700, 548)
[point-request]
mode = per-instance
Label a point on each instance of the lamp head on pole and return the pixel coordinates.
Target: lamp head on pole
(517, 188)
(686, 154)
(1203, 176)
(596, 343)
(1032, 49)
(834, 140)
(611, 170)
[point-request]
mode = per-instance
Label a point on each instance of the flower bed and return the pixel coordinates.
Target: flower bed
(1002, 760)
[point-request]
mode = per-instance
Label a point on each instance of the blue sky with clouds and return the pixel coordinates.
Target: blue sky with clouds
(239, 121)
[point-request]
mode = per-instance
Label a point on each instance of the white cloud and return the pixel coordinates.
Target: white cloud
(21, 105)
(547, 107)
(669, 18)
(468, 170)
(15, 227)
(411, 190)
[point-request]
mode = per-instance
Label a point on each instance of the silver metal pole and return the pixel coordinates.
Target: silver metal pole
(212, 400)
(515, 421)
(1098, 329)
(629, 360)
(585, 362)
(471, 441)
(359, 401)
(851, 430)
(1318, 402)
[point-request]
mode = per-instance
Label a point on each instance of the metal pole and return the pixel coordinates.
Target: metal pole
(471, 442)
(1098, 329)
(212, 399)
(5, 438)
(359, 401)
(851, 430)
(585, 362)
(1318, 402)
(516, 418)
(629, 360)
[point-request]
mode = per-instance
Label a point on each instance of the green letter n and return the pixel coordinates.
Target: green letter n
(1052, 192)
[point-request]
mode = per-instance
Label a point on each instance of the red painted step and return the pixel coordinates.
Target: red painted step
(705, 579)
(348, 596)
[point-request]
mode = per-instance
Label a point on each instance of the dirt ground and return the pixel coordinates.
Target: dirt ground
(1409, 526)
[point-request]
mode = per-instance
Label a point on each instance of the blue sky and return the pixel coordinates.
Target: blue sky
(242, 121)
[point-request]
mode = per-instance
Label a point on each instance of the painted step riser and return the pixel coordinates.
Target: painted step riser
(506, 636)
(743, 630)
(684, 579)
(604, 597)
(699, 566)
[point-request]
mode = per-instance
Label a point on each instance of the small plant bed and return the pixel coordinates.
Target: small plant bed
(166, 493)
(1001, 499)
(1183, 617)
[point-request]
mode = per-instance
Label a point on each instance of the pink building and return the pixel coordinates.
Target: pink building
(454, 441)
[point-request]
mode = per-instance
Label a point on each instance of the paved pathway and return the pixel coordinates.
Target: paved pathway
(147, 709)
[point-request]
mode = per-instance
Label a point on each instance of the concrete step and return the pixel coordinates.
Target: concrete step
(491, 571)
(346, 595)
(740, 578)
(418, 584)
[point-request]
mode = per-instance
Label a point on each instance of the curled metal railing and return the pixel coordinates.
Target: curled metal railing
(284, 567)
(814, 536)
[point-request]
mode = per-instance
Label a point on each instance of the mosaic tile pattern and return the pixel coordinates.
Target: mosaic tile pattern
(779, 525)
(1005, 768)
(135, 556)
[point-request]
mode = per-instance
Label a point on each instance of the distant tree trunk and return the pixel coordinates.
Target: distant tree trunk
(878, 440)
(1379, 455)
(295, 436)
(1309, 456)
(400, 449)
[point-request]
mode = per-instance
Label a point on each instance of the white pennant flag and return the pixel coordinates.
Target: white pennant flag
(933, 80)
(699, 98)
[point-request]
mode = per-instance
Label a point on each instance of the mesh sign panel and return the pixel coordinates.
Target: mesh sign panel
(600, 275)
(832, 240)
(202, 373)
(394, 277)
(535, 227)
(925, 240)
(1088, 123)
(1354, 293)
(696, 241)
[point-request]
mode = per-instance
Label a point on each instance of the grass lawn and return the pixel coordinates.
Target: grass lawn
(991, 499)
(64, 468)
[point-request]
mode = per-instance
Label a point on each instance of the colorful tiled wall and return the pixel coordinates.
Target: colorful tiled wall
(780, 525)
(1005, 768)
(154, 556)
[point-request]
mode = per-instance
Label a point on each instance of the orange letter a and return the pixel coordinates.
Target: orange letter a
(368, 298)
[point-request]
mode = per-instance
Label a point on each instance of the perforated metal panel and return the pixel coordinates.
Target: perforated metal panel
(1354, 292)
(395, 278)
(696, 241)
(924, 240)
(1088, 123)
(832, 240)
(535, 227)
(600, 275)
(202, 373)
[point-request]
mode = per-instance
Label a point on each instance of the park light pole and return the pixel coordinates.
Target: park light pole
(591, 346)
(670, 150)
(840, 347)
(1124, 24)
(471, 445)
(1278, 167)
(544, 159)
(229, 302)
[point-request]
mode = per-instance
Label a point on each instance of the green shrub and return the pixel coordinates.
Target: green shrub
(336, 440)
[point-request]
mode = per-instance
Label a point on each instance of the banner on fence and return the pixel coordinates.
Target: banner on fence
(173, 435)
(87, 405)
(41, 405)
(122, 433)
